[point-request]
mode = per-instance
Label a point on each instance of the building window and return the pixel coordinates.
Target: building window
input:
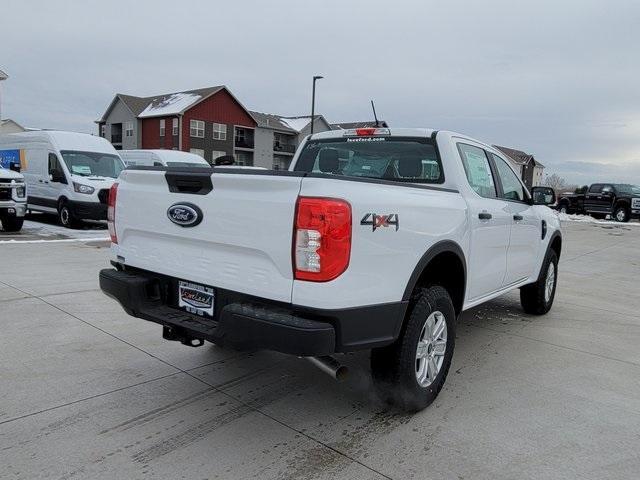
(162, 126)
(217, 154)
(280, 163)
(244, 159)
(219, 131)
(196, 128)
(174, 130)
(197, 151)
(128, 129)
(103, 130)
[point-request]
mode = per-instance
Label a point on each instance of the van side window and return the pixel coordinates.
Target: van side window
(478, 170)
(54, 164)
(595, 188)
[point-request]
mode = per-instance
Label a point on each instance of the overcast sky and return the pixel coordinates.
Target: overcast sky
(559, 79)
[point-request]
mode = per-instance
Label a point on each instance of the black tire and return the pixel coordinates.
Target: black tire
(563, 208)
(621, 214)
(393, 368)
(533, 297)
(12, 224)
(65, 216)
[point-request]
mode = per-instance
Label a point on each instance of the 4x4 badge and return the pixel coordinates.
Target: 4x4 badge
(377, 221)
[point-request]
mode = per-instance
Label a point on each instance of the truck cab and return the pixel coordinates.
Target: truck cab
(13, 199)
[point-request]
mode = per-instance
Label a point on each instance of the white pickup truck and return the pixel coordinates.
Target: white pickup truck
(13, 200)
(373, 239)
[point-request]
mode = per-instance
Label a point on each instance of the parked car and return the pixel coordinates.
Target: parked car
(395, 233)
(162, 158)
(66, 173)
(13, 200)
(621, 201)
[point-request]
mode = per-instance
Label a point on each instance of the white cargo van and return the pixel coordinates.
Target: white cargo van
(161, 158)
(66, 173)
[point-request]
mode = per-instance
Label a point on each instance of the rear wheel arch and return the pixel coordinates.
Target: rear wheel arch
(443, 264)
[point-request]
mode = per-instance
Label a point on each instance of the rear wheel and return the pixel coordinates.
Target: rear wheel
(621, 214)
(537, 298)
(563, 208)
(12, 224)
(411, 372)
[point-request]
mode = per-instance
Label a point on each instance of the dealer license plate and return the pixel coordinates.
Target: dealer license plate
(196, 298)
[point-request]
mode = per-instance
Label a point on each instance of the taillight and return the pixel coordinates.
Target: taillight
(366, 132)
(111, 212)
(322, 238)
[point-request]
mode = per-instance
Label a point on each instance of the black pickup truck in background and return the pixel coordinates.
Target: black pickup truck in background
(620, 200)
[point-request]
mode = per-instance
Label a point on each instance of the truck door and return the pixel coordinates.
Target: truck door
(598, 199)
(490, 221)
(526, 226)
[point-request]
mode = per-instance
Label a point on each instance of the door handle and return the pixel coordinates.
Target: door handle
(484, 216)
(518, 218)
(41, 181)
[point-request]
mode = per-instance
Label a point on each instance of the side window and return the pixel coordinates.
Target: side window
(607, 189)
(478, 170)
(512, 189)
(54, 165)
(595, 188)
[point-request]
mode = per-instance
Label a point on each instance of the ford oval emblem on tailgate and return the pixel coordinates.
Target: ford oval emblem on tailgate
(185, 214)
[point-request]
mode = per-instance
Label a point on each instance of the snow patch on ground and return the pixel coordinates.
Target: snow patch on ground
(37, 232)
(170, 104)
(565, 217)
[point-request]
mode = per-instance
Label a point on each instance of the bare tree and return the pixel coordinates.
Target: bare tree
(555, 181)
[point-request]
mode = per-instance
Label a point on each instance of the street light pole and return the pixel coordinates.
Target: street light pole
(313, 100)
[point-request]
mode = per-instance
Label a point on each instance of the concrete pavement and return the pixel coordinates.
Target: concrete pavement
(88, 392)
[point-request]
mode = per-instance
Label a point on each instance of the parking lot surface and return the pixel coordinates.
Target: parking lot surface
(88, 392)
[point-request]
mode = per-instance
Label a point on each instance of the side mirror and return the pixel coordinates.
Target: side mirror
(543, 196)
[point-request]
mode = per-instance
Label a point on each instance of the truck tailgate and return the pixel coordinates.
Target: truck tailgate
(243, 242)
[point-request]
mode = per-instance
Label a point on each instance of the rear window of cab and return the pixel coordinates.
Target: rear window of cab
(400, 159)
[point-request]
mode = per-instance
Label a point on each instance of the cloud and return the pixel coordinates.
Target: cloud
(557, 79)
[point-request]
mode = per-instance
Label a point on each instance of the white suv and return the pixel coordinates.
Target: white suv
(374, 239)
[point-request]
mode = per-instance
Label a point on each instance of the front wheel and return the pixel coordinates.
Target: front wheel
(537, 298)
(66, 217)
(12, 224)
(411, 372)
(621, 214)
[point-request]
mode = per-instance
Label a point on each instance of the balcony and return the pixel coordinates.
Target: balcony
(243, 143)
(284, 148)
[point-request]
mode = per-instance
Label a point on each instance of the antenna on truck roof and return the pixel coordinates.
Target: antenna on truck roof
(373, 107)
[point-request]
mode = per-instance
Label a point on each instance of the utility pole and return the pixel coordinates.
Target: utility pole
(313, 100)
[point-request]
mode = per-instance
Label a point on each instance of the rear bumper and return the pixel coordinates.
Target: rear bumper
(88, 210)
(246, 322)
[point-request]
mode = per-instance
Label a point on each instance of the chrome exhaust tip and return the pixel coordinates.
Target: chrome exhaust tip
(330, 366)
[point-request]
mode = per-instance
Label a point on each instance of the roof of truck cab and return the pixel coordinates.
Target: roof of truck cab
(394, 132)
(63, 140)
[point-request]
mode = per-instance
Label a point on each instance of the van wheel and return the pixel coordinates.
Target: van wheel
(411, 372)
(537, 298)
(12, 224)
(65, 216)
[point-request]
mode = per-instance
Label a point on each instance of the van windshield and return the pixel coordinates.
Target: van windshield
(92, 164)
(400, 159)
